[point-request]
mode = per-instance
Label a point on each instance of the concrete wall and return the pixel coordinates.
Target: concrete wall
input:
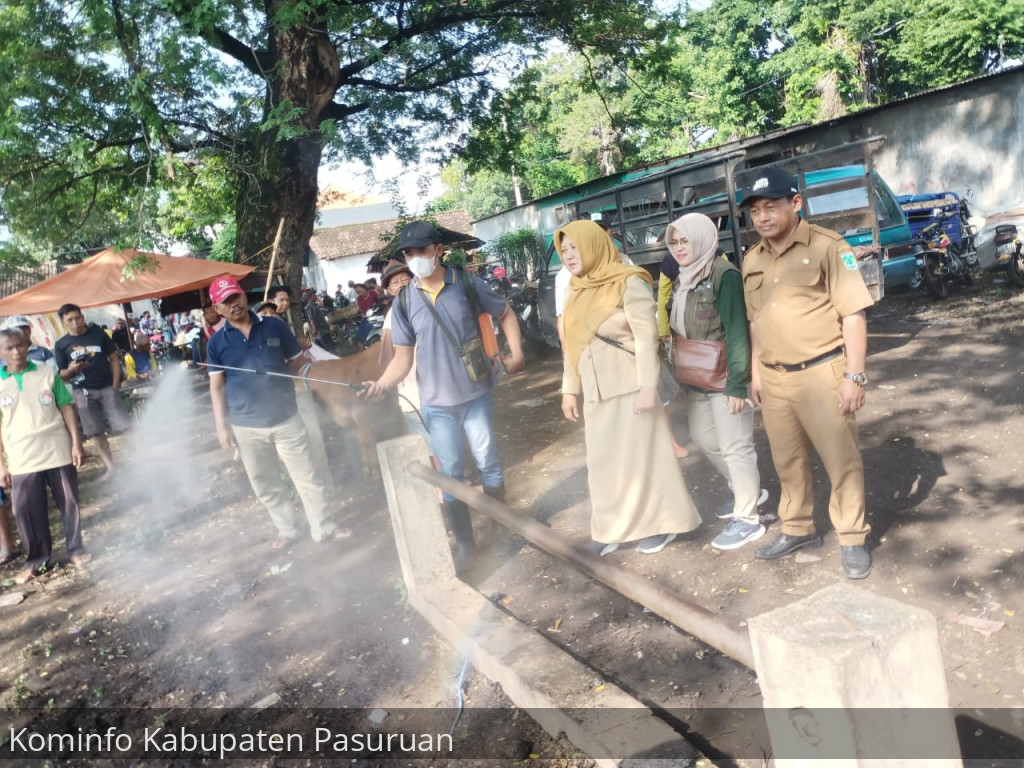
(967, 139)
(492, 227)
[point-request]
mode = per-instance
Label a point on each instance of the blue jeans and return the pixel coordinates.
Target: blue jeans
(446, 424)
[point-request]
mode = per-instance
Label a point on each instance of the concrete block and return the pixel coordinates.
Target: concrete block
(856, 679)
(416, 520)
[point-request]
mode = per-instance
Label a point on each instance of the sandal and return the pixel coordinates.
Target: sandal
(25, 576)
(7, 556)
(282, 542)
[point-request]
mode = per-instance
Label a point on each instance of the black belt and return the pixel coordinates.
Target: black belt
(783, 367)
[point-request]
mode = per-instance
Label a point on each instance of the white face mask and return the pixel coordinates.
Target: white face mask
(422, 267)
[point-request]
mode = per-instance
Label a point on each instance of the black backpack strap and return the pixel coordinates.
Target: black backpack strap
(402, 304)
(466, 283)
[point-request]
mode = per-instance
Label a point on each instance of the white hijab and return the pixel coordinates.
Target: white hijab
(702, 235)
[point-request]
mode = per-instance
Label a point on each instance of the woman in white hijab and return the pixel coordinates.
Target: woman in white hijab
(708, 306)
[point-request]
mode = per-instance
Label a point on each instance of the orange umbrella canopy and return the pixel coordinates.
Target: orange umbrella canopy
(100, 280)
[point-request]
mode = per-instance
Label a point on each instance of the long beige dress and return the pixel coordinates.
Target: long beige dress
(636, 486)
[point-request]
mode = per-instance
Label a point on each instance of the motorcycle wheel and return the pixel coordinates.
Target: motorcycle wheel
(935, 283)
(916, 280)
(1015, 269)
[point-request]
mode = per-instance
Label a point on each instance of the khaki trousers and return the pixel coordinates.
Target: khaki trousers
(728, 442)
(260, 448)
(801, 410)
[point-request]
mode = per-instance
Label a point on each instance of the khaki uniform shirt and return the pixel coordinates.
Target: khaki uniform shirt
(796, 299)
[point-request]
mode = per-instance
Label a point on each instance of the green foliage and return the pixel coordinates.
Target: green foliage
(223, 248)
(139, 122)
(732, 69)
(481, 194)
(456, 258)
(140, 264)
(519, 251)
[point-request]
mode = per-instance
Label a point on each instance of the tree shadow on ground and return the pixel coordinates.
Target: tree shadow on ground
(899, 476)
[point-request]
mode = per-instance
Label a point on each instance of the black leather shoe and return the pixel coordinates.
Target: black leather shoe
(785, 544)
(856, 562)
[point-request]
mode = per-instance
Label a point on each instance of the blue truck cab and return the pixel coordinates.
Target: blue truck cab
(894, 233)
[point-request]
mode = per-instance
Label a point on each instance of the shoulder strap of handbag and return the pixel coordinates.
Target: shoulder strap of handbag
(614, 343)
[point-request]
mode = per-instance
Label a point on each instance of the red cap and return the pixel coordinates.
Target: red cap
(223, 288)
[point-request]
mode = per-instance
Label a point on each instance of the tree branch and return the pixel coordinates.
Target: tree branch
(338, 112)
(430, 24)
(256, 62)
(396, 88)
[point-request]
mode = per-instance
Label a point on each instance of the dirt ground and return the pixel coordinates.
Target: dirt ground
(185, 606)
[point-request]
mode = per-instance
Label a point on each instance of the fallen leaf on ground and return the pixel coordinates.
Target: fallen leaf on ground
(987, 627)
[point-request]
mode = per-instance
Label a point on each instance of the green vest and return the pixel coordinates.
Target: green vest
(701, 316)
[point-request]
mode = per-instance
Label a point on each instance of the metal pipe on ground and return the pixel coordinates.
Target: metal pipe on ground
(696, 620)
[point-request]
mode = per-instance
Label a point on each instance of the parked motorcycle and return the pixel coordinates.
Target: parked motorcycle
(938, 262)
(348, 330)
(999, 249)
(968, 248)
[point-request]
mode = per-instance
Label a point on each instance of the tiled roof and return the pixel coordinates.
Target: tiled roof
(332, 243)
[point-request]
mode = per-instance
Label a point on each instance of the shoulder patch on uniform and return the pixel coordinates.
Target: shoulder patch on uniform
(849, 260)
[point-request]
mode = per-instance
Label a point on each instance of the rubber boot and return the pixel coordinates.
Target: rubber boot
(496, 492)
(461, 526)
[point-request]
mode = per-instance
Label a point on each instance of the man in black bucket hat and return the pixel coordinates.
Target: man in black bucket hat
(437, 322)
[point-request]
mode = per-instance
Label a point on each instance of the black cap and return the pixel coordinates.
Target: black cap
(770, 183)
(418, 234)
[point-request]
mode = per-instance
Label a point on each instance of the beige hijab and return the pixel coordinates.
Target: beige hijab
(597, 292)
(702, 235)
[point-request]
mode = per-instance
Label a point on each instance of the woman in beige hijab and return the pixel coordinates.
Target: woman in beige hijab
(611, 357)
(708, 306)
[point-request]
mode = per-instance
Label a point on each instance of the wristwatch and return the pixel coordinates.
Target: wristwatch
(860, 379)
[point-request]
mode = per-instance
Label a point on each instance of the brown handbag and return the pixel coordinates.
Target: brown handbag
(701, 364)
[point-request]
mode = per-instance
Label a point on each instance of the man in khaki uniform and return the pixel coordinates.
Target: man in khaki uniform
(805, 302)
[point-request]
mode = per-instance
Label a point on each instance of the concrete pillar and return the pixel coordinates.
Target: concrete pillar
(311, 418)
(854, 679)
(420, 535)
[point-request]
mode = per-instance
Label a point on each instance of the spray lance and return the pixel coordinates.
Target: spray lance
(356, 387)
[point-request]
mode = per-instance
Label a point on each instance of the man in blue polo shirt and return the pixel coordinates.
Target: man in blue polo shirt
(262, 413)
(453, 401)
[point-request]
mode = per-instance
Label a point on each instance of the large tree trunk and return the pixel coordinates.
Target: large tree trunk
(283, 184)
